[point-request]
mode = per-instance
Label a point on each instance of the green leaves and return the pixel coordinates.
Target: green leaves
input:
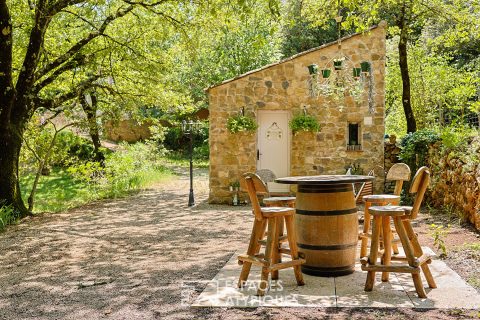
(304, 122)
(241, 123)
(415, 147)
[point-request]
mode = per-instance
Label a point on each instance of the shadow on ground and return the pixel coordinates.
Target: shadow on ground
(132, 259)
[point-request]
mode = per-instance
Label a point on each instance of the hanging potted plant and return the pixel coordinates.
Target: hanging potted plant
(313, 69)
(338, 63)
(365, 66)
(304, 122)
(241, 123)
(357, 72)
(326, 73)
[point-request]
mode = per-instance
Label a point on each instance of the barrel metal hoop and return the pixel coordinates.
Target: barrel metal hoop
(328, 271)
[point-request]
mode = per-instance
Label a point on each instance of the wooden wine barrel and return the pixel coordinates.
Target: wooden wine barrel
(327, 228)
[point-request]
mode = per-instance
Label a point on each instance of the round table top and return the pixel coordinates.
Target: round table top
(324, 179)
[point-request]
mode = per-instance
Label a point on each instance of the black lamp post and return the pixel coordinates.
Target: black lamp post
(188, 129)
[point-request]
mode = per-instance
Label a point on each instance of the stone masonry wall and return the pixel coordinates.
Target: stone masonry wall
(284, 86)
(455, 183)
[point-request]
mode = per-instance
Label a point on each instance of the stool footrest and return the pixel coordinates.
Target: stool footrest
(391, 268)
(288, 264)
(258, 259)
(425, 258)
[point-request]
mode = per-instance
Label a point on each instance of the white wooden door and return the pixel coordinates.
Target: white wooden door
(274, 146)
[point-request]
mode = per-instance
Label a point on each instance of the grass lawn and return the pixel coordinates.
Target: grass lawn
(56, 192)
(59, 191)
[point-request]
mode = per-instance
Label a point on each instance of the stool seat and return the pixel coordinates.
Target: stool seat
(269, 212)
(390, 211)
(380, 198)
(279, 200)
(375, 200)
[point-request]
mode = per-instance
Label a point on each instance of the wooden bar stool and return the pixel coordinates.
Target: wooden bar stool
(267, 175)
(271, 217)
(399, 173)
(402, 215)
(279, 202)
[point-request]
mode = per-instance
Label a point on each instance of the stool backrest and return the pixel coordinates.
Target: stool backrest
(266, 175)
(419, 186)
(254, 186)
(366, 188)
(399, 172)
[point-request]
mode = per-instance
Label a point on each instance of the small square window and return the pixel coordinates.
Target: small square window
(354, 137)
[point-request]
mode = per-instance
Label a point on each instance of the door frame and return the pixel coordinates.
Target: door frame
(288, 136)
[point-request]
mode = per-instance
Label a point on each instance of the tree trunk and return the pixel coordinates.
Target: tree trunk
(10, 144)
(91, 113)
(403, 62)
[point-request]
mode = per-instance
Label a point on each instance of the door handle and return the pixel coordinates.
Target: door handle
(258, 154)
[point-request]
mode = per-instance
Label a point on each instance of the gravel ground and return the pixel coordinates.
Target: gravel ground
(142, 256)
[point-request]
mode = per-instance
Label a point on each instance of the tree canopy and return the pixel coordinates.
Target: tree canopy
(87, 59)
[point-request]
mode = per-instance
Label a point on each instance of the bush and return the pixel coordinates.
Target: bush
(124, 170)
(76, 148)
(175, 140)
(7, 216)
(415, 148)
(202, 152)
(457, 136)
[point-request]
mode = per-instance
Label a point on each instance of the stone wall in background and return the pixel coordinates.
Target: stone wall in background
(284, 86)
(455, 182)
(126, 130)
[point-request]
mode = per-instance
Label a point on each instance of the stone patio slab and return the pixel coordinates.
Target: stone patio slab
(346, 291)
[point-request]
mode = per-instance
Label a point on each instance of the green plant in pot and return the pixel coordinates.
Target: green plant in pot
(241, 123)
(338, 63)
(304, 122)
(326, 73)
(313, 69)
(357, 72)
(365, 66)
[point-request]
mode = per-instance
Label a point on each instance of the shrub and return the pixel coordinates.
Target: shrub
(122, 171)
(202, 152)
(77, 148)
(175, 140)
(457, 136)
(7, 216)
(415, 147)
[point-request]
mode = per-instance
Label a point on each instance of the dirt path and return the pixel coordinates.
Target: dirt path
(132, 258)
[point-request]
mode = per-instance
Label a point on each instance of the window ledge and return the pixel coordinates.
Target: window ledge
(354, 147)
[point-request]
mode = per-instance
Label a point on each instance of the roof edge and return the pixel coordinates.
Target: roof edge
(382, 24)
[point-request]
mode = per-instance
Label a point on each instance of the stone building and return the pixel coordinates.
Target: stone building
(352, 125)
